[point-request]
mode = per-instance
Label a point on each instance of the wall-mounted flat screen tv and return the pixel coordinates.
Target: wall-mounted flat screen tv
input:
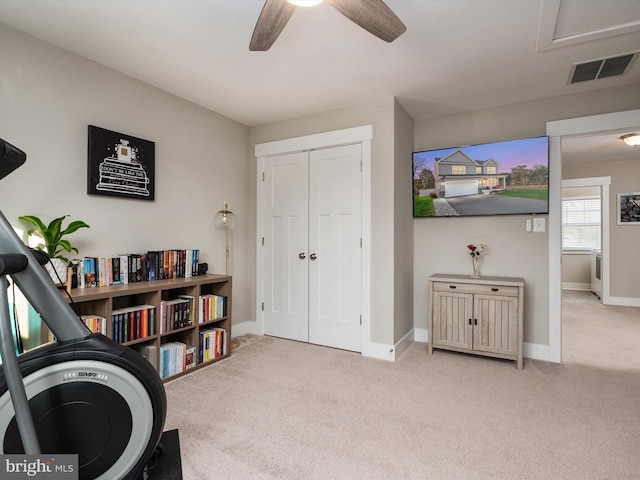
(500, 178)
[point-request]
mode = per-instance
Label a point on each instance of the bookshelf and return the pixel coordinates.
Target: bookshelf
(162, 319)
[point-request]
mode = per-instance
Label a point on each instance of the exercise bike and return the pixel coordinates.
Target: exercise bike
(82, 394)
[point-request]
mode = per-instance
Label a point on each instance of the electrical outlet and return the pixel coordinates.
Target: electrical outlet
(538, 225)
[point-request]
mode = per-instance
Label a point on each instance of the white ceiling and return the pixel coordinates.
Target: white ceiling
(456, 55)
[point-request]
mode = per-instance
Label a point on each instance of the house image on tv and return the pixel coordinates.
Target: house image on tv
(457, 174)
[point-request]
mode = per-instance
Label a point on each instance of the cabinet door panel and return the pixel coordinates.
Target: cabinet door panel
(452, 312)
(497, 324)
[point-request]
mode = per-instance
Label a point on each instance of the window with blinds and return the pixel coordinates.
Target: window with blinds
(581, 219)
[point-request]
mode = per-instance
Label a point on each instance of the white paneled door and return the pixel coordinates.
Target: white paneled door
(313, 246)
(286, 246)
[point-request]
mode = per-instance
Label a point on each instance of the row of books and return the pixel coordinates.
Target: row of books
(136, 267)
(175, 357)
(213, 344)
(176, 313)
(212, 307)
(133, 323)
(95, 323)
(136, 322)
(126, 324)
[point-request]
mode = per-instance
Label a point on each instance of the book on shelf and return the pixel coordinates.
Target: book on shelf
(172, 359)
(190, 357)
(212, 344)
(89, 271)
(150, 352)
(137, 267)
(191, 308)
(174, 314)
(133, 323)
(124, 268)
(212, 307)
(95, 323)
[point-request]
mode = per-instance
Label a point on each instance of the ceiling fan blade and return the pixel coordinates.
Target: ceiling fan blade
(372, 15)
(273, 18)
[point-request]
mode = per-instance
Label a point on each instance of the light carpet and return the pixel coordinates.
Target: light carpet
(279, 409)
(600, 335)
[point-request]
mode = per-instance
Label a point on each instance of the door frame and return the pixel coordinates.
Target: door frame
(362, 135)
(556, 130)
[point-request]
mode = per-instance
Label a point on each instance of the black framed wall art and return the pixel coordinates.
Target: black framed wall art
(120, 165)
(629, 208)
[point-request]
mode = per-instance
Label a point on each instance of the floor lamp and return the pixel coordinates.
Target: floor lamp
(225, 220)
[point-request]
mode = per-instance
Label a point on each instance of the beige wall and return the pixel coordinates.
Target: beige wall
(624, 239)
(403, 220)
(49, 96)
(576, 271)
(439, 243)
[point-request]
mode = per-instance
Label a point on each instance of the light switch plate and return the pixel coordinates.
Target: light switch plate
(538, 225)
(528, 225)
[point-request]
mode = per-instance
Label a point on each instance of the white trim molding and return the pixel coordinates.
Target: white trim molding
(623, 301)
(556, 130)
(603, 183)
(421, 335)
(532, 351)
(364, 136)
(245, 328)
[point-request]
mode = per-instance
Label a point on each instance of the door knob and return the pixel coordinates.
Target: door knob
(313, 256)
(302, 256)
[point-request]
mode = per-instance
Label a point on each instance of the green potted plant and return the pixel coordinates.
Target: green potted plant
(54, 243)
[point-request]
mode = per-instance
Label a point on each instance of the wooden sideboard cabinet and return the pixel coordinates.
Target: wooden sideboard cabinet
(483, 316)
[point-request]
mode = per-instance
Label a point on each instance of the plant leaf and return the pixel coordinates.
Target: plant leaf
(34, 221)
(73, 226)
(65, 244)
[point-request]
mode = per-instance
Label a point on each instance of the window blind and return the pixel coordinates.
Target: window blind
(581, 219)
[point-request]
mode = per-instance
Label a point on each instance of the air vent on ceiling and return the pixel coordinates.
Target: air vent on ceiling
(606, 67)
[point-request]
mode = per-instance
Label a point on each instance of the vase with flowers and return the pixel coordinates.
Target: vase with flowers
(475, 257)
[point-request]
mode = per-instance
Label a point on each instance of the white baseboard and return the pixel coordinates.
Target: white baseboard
(576, 286)
(404, 343)
(245, 328)
(534, 351)
(623, 301)
(421, 335)
(374, 350)
(380, 351)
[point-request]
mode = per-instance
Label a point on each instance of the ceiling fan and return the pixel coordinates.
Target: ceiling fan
(372, 15)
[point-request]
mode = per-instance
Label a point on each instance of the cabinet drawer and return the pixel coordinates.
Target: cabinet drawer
(504, 290)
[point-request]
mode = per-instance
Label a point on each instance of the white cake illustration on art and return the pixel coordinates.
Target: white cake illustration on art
(122, 173)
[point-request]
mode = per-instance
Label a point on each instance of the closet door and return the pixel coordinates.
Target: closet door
(335, 251)
(286, 240)
(312, 247)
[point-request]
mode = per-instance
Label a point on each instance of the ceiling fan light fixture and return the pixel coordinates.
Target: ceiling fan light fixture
(305, 3)
(631, 139)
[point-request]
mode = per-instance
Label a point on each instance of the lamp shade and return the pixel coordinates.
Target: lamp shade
(632, 139)
(224, 219)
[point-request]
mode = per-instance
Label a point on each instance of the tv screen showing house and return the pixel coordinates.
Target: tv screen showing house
(500, 178)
